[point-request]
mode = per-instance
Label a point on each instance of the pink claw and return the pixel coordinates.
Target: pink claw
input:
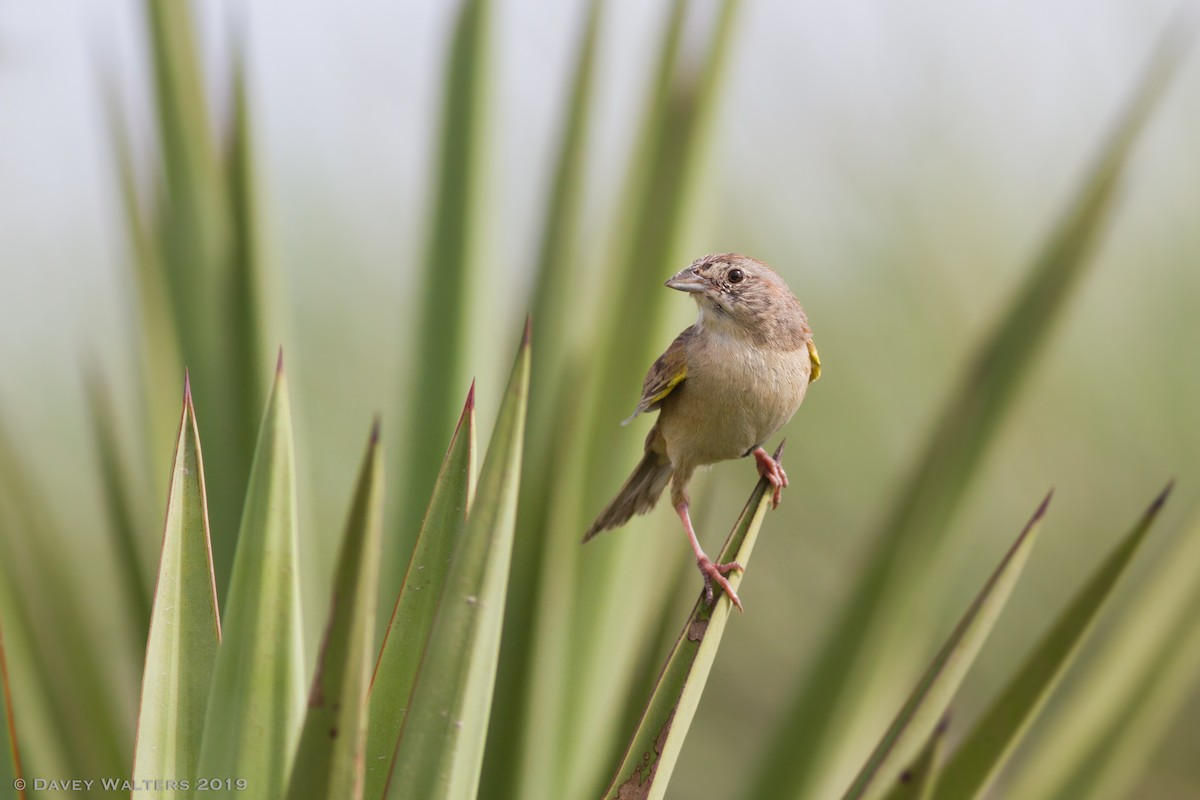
(715, 573)
(772, 470)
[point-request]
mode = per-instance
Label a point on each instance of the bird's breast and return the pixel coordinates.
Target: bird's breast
(735, 397)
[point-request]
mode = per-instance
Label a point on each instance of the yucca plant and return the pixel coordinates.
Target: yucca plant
(456, 640)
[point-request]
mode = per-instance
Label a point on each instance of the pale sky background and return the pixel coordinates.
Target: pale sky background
(344, 97)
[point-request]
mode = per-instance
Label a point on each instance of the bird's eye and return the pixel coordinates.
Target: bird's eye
(736, 276)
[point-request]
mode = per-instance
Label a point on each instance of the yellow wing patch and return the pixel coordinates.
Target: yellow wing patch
(667, 372)
(815, 360)
(653, 400)
(672, 382)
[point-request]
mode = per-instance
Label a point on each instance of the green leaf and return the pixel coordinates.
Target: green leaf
(412, 618)
(1131, 744)
(655, 746)
(555, 287)
(246, 330)
(917, 781)
(447, 279)
(1111, 718)
(192, 233)
(986, 747)
(203, 259)
(920, 716)
(329, 763)
(185, 628)
(257, 697)
(556, 284)
(59, 628)
(157, 342)
(10, 758)
(441, 744)
(121, 503)
(822, 716)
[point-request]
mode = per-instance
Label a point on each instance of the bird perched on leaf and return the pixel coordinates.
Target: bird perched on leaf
(722, 388)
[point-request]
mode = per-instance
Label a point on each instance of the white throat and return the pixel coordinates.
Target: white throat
(717, 322)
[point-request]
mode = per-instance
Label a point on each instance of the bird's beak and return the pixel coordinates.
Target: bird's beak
(687, 281)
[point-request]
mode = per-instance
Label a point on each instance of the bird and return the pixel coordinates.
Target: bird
(725, 385)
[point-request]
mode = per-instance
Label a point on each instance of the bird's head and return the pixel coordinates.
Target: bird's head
(746, 297)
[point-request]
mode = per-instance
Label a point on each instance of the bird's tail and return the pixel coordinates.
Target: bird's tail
(637, 496)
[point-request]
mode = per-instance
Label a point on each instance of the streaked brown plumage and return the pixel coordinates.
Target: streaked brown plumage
(724, 386)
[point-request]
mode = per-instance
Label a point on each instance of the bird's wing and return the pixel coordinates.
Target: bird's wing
(815, 361)
(665, 374)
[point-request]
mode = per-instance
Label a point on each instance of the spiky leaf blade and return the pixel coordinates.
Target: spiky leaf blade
(656, 743)
(441, 744)
(984, 750)
(922, 713)
(448, 274)
(918, 779)
(257, 698)
(1111, 719)
(412, 617)
(329, 762)
(185, 627)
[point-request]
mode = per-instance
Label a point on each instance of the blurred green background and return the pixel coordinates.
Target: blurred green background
(898, 164)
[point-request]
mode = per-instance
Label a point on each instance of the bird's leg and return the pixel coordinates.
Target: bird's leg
(772, 470)
(711, 572)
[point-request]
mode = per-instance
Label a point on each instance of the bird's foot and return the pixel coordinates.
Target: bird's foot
(715, 573)
(772, 470)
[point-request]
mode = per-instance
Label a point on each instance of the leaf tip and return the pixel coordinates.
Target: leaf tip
(779, 450)
(1161, 500)
(187, 387)
(375, 425)
(470, 404)
(279, 362)
(1041, 509)
(526, 336)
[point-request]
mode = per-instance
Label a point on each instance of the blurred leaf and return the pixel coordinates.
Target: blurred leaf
(257, 696)
(122, 504)
(244, 295)
(209, 265)
(440, 754)
(62, 629)
(556, 284)
(192, 224)
(656, 744)
(922, 713)
(918, 780)
(799, 760)
(556, 287)
(10, 758)
(979, 757)
(404, 641)
(515, 751)
(442, 325)
(330, 760)
(157, 343)
(185, 629)
(1131, 743)
(1109, 721)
